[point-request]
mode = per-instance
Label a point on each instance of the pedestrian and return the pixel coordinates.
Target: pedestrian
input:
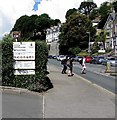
(83, 71)
(64, 63)
(70, 66)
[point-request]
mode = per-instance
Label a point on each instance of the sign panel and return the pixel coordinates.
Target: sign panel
(24, 65)
(24, 50)
(24, 72)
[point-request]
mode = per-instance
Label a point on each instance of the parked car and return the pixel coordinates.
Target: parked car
(97, 60)
(93, 60)
(77, 58)
(104, 61)
(50, 56)
(54, 57)
(88, 59)
(100, 59)
(61, 57)
(113, 61)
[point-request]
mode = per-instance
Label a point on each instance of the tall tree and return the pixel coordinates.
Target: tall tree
(87, 7)
(34, 27)
(115, 6)
(70, 12)
(94, 14)
(74, 33)
(21, 25)
(104, 10)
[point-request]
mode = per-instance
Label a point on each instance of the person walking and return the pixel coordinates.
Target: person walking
(70, 66)
(64, 63)
(83, 71)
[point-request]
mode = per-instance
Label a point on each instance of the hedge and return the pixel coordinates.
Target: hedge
(38, 82)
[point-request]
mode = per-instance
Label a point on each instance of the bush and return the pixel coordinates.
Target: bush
(37, 82)
(74, 50)
(83, 53)
(7, 62)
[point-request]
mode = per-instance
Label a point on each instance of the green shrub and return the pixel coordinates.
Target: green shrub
(83, 53)
(37, 82)
(74, 50)
(7, 62)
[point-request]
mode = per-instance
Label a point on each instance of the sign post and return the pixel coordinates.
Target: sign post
(24, 56)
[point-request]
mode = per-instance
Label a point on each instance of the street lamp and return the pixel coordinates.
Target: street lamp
(89, 48)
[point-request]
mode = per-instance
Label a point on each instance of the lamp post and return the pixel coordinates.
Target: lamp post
(89, 48)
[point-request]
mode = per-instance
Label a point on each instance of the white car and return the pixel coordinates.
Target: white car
(61, 57)
(113, 61)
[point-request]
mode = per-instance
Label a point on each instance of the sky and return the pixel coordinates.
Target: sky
(11, 10)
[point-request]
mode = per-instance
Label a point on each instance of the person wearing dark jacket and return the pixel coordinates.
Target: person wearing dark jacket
(64, 63)
(70, 65)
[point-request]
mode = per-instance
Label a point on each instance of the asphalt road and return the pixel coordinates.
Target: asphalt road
(94, 73)
(25, 105)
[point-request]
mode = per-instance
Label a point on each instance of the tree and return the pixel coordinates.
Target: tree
(21, 25)
(94, 14)
(115, 6)
(56, 22)
(87, 7)
(73, 33)
(104, 10)
(70, 12)
(101, 38)
(42, 23)
(34, 27)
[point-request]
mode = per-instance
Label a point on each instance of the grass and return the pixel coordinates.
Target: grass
(83, 54)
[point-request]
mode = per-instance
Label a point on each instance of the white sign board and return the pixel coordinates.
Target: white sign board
(24, 50)
(24, 65)
(24, 72)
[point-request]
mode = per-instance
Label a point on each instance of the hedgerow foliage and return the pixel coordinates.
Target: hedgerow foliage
(38, 82)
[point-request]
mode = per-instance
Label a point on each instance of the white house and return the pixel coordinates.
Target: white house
(52, 37)
(110, 28)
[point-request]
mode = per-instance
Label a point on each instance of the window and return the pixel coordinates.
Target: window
(108, 34)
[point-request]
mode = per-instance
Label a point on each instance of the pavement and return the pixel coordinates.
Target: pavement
(73, 97)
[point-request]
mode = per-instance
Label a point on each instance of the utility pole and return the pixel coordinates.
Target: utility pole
(89, 47)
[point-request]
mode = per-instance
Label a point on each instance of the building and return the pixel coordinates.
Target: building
(52, 38)
(16, 35)
(110, 28)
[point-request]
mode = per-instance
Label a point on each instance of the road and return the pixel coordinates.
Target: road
(95, 74)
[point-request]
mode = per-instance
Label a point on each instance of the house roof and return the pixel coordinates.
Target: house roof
(111, 17)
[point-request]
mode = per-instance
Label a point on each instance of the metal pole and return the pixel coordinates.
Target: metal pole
(89, 48)
(89, 44)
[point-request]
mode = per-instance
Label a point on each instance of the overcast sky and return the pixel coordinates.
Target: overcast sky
(11, 10)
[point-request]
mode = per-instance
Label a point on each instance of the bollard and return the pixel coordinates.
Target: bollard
(108, 67)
